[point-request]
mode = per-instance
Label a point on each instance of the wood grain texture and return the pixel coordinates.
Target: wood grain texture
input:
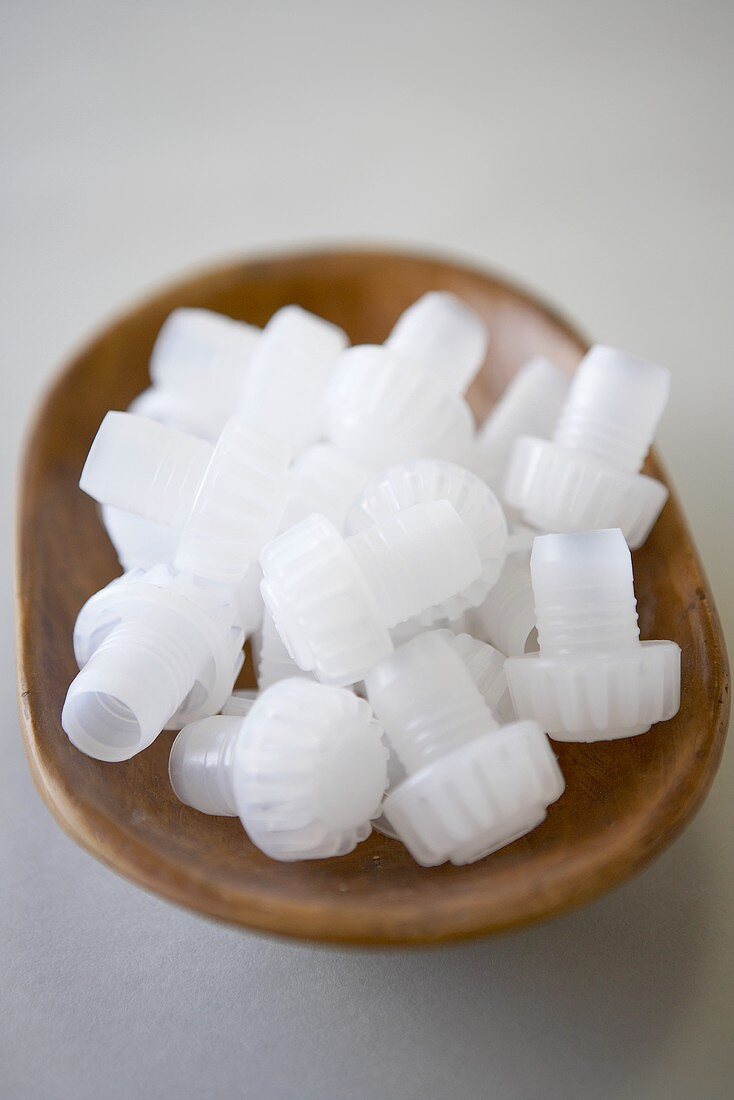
(624, 800)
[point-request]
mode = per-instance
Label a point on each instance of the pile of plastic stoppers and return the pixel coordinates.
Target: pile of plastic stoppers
(426, 601)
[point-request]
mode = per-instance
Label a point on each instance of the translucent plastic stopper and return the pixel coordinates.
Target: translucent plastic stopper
(530, 405)
(427, 700)
(584, 592)
(283, 390)
(442, 335)
(144, 467)
(416, 559)
(614, 407)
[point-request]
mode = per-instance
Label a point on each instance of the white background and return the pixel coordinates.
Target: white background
(587, 149)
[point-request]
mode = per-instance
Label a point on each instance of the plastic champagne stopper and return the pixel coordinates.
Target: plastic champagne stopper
(139, 543)
(443, 336)
(142, 544)
(282, 391)
(225, 500)
(485, 665)
(506, 618)
(402, 399)
(197, 368)
(588, 476)
(326, 480)
(424, 480)
(382, 409)
(530, 405)
(272, 660)
(592, 679)
(471, 786)
(334, 599)
(303, 766)
(155, 650)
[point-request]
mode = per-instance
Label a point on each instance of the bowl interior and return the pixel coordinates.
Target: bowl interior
(624, 800)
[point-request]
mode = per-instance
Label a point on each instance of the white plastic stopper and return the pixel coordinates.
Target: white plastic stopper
(471, 786)
(584, 593)
(530, 405)
(273, 662)
(198, 344)
(304, 768)
(225, 500)
(326, 480)
(486, 666)
(155, 650)
(139, 543)
(587, 477)
(506, 618)
(283, 390)
(197, 368)
(423, 480)
(592, 678)
(383, 409)
(201, 762)
(613, 408)
(145, 468)
(171, 410)
(334, 599)
(442, 335)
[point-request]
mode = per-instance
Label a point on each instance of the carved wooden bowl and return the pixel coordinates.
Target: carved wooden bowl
(624, 801)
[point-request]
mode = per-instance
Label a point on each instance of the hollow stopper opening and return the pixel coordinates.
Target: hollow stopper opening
(101, 726)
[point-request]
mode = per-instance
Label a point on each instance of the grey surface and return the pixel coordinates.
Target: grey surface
(584, 147)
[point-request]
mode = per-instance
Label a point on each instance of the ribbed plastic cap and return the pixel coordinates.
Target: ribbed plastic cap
(443, 335)
(482, 797)
(429, 480)
(198, 345)
(204, 419)
(321, 604)
(506, 619)
(283, 390)
(139, 543)
(614, 406)
(383, 409)
(559, 488)
(588, 696)
(145, 467)
(427, 700)
(326, 480)
(530, 405)
(156, 650)
(486, 667)
(273, 662)
(238, 506)
(310, 771)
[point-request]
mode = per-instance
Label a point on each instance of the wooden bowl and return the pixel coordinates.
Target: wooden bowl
(624, 800)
